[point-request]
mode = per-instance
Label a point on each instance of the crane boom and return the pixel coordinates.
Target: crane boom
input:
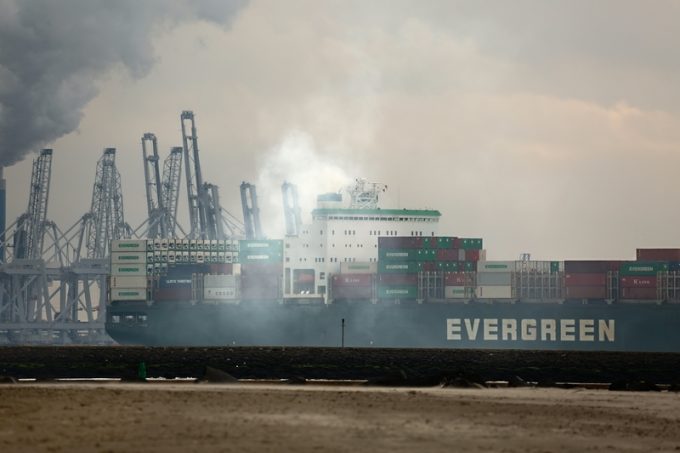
(172, 173)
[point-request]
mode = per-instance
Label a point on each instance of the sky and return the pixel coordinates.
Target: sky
(547, 127)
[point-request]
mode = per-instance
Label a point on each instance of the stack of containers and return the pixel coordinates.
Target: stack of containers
(494, 279)
(402, 259)
(641, 280)
(670, 282)
(128, 270)
(538, 280)
(219, 288)
(353, 286)
(261, 269)
(590, 279)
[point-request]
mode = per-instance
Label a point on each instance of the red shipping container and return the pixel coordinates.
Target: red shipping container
(638, 293)
(429, 266)
(352, 292)
(585, 292)
(472, 255)
(658, 254)
(398, 279)
(585, 279)
(447, 255)
(352, 280)
(221, 268)
(591, 267)
(176, 295)
(457, 279)
(637, 282)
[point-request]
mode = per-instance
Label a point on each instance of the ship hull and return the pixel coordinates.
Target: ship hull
(643, 327)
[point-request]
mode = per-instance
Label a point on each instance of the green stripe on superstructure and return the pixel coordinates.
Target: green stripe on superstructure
(379, 212)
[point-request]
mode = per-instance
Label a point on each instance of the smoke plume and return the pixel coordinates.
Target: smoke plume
(52, 53)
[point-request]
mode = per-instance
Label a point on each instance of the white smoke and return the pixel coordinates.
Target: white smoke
(298, 159)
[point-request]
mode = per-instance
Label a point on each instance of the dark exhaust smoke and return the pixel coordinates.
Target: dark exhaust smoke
(52, 52)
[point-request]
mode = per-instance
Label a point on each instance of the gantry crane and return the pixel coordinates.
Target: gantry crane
(154, 188)
(291, 209)
(172, 174)
(207, 217)
(251, 211)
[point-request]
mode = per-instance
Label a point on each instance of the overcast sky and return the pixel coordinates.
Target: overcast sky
(549, 127)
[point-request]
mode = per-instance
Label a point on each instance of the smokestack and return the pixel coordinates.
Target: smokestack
(2, 215)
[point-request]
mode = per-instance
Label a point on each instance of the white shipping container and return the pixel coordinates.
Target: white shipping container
(128, 245)
(356, 267)
(128, 294)
(495, 266)
(219, 281)
(219, 293)
(533, 266)
(461, 255)
(128, 281)
(494, 292)
(494, 278)
(128, 269)
(128, 258)
(458, 292)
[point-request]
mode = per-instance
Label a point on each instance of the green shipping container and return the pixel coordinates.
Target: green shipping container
(554, 267)
(270, 246)
(450, 266)
(408, 255)
(444, 242)
(259, 257)
(471, 243)
(397, 292)
(401, 267)
(642, 268)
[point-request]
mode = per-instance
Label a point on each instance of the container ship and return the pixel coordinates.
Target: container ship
(360, 275)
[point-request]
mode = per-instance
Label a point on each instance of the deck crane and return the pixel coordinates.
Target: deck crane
(207, 217)
(291, 209)
(251, 211)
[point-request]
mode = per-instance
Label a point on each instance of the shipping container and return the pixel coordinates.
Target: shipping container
(674, 266)
(353, 280)
(176, 282)
(494, 278)
(257, 247)
(407, 255)
(472, 254)
(358, 268)
(459, 279)
(221, 268)
(639, 293)
(428, 266)
(128, 257)
(262, 269)
(637, 282)
(172, 295)
(458, 292)
(447, 255)
(585, 292)
(254, 256)
(407, 267)
(493, 292)
(128, 294)
(400, 242)
(585, 279)
(495, 266)
(591, 267)
(642, 268)
(128, 281)
(658, 254)
(219, 281)
(556, 266)
(398, 279)
(471, 243)
(352, 292)
(223, 293)
(449, 266)
(128, 245)
(398, 292)
(136, 270)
